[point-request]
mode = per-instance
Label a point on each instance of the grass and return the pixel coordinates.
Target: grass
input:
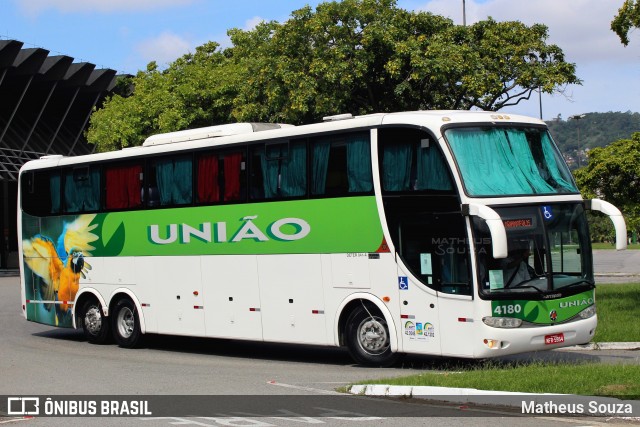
(621, 381)
(600, 245)
(618, 308)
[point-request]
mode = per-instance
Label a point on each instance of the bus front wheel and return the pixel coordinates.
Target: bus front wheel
(126, 324)
(368, 339)
(95, 325)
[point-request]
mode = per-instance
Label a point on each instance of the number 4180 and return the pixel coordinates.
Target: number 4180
(507, 309)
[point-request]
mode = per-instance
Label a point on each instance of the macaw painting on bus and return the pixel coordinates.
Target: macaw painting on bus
(57, 264)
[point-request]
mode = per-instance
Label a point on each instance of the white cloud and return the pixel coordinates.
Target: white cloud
(164, 48)
(250, 24)
(580, 27)
(37, 7)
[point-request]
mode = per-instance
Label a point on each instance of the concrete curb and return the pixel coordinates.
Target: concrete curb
(498, 398)
(603, 346)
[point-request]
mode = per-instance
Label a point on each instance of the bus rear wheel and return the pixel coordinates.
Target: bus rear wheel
(95, 325)
(368, 339)
(125, 324)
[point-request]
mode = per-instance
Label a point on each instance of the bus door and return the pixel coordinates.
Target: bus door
(436, 268)
(454, 285)
(418, 276)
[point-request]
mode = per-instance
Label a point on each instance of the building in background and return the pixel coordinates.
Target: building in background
(45, 104)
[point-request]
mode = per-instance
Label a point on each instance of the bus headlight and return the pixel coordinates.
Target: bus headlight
(588, 312)
(502, 322)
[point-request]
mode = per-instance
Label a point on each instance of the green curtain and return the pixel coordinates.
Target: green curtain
(82, 190)
(359, 164)
(293, 171)
(556, 166)
(496, 161)
(54, 189)
(175, 181)
(269, 160)
(487, 163)
(284, 170)
(432, 170)
(396, 166)
(523, 157)
(319, 166)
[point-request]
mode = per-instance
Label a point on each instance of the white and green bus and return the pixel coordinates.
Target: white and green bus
(443, 233)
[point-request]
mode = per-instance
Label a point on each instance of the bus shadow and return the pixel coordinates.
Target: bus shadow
(299, 353)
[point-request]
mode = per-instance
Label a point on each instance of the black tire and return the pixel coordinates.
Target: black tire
(368, 339)
(125, 324)
(94, 324)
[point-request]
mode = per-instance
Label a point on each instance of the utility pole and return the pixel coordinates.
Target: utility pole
(577, 118)
(464, 13)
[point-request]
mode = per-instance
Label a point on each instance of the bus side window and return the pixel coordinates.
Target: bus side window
(173, 178)
(279, 170)
(412, 161)
(220, 176)
(81, 189)
(341, 164)
(41, 192)
(123, 186)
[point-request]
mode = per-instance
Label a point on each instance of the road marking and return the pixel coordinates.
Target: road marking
(309, 389)
(15, 420)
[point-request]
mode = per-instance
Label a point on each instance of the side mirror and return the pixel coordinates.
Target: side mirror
(616, 217)
(495, 224)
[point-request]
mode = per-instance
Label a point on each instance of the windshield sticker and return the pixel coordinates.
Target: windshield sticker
(496, 279)
(425, 264)
(547, 213)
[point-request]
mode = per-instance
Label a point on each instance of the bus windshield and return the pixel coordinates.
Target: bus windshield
(549, 251)
(509, 161)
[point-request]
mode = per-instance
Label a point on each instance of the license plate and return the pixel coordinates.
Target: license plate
(554, 338)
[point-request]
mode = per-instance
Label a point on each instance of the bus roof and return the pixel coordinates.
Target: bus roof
(249, 132)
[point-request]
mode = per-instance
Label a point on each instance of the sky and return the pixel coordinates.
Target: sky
(125, 35)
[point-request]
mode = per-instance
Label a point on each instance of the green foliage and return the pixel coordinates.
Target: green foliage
(576, 137)
(628, 17)
(193, 91)
(613, 174)
(357, 56)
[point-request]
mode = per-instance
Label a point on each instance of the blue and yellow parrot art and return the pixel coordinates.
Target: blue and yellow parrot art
(61, 264)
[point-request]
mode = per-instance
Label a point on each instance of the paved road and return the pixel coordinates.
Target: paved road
(616, 266)
(41, 360)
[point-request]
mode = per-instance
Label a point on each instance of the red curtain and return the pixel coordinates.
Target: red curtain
(208, 189)
(232, 164)
(123, 185)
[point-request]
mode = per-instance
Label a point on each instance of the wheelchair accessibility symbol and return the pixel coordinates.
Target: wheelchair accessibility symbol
(403, 283)
(546, 212)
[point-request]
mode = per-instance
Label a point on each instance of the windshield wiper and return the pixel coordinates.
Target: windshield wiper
(522, 285)
(581, 281)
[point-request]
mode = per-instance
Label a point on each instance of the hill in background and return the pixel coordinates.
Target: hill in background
(576, 136)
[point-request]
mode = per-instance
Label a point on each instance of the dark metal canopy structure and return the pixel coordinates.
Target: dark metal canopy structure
(45, 104)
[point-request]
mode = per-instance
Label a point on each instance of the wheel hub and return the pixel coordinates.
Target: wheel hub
(93, 320)
(373, 336)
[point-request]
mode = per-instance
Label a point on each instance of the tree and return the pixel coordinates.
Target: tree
(628, 17)
(357, 56)
(613, 174)
(195, 90)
